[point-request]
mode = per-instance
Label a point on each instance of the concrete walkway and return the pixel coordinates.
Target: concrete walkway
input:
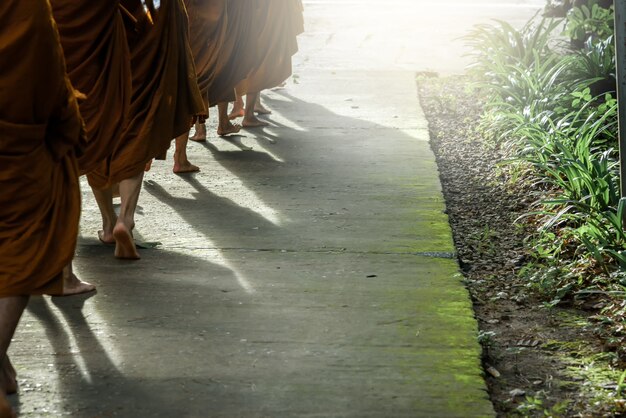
(311, 276)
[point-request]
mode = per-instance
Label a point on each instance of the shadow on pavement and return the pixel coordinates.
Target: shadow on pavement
(132, 350)
(309, 175)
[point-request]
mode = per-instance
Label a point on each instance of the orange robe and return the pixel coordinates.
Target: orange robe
(98, 63)
(222, 41)
(165, 94)
(208, 20)
(296, 16)
(276, 43)
(40, 131)
(237, 57)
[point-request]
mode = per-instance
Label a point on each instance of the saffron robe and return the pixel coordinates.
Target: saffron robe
(276, 43)
(223, 45)
(237, 57)
(98, 64)
(208, 20)
(40, 133)
(165, 93)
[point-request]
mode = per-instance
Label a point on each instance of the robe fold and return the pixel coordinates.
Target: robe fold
(296, 13)
(98, 64)
(280, 21)
(40, 132)
(237, 56)
(223, 45)
(165, 93)
(208, 20)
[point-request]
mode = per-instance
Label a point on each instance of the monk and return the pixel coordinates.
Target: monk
(41, 133)
(279, 22)
(208, 20)
(220, 38)
(165, 99)
(239, 55)
(98, 63)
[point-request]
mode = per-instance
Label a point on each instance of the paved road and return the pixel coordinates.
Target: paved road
(416, 35)
(311, 276)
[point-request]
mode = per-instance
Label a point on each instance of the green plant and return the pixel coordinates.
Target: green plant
(530, 405)
(620, 385)
(596, 62)
(589, 21)
(528, 96)
(533, 406)
(495, 47)
(486, 338)
(551, 110)
(575, 157)
(603, 234)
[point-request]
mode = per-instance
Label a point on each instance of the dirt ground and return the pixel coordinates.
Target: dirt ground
(539, 361)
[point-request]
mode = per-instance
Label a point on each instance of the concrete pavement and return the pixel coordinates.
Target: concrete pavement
(410, 35)
(310, 276)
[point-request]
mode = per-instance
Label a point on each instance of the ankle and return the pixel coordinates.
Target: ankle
(108, 224)
(126, 221)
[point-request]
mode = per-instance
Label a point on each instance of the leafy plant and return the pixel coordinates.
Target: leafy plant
(589, 21)
(596, 61)
(529, 79)
(552, 110)
(533, 406)
(573, 156)
(496, 47)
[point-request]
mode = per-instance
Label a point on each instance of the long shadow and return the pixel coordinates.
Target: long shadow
(119, 353)
(264, 134)
(218, 218)
(246, 155)
(84, 382)
(308, 171)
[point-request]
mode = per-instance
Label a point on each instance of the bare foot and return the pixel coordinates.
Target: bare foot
(236, 113)
(185, 167)
(200, 135)
(73, 286)
(228, 129)
(124, 243)
(253, 122)
(5, 408)
(148, 166)
(106, 237)
(8, 377)
(261, 110)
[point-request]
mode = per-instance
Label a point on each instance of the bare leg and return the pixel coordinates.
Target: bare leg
(11, 309)
(104, 198)
(225, 127)
(181, 162)
(116, 190)
(259, 108)
(72, 285)
(122, 232)
(5, 409)
(250, 120)
(8, 377)
(238, 110)
(200, 135)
